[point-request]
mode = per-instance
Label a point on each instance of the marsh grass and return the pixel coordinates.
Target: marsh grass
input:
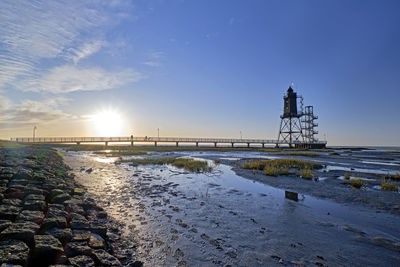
(388, 186)
(333, 154)
(346, 176)
(187, 164)
(281, 164)
(303, 154)
(395, 176)
(356, 182)
(276, 167)
(10, 144)
(306, 174)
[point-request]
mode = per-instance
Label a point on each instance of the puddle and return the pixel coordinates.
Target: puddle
(392, 163)
(359, 170)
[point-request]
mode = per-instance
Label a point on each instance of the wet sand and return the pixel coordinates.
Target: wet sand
(171, 217)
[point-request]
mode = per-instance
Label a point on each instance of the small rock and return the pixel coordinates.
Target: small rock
(78, 191)
(35, 205)
(77, 248)
(81, 261)
(13, 252)
(79, 222)
(22, 175)
(80, 235)
(59, 199)
(63, 235)
(96, 241)
(4, 224)
(55, 192)
(13, 202)
(52, 222)
(46, 249)
(30, 215)
(21, 231)
(103, 258)
(9, 212)
(34, 197)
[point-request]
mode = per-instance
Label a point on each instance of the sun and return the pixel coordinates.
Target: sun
(108, 123)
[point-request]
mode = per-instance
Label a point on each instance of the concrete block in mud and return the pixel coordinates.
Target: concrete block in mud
(83, 261)
(73, 249)
(79, 222)
(46, 249)
(63, 235)
(13, 252)
(292, 195)
(4, 224)
(35, 205)
(59, 199)
(103, 258)
(30, 215)
(96, 241)
(21, 231)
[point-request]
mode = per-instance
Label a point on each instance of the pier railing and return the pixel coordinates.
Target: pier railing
(177, 140)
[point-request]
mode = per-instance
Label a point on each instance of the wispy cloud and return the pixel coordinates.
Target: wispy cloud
(30, 112)
(56, 32)
(87, 49)
(69, 78)
(154, 59)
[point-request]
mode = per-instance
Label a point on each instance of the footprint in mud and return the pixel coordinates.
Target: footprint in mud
(222, 207)
(231, 254)
(232, 212)
(182, 264)
(159, 242)
(181, 223)
(176, 209)
(204, 236)
(254, 221)
(168, 216)
(216, 244)
(179, 253)
(173, 231)
(194, 230)
(202, 203)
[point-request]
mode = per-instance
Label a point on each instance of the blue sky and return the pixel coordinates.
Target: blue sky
(200, 68)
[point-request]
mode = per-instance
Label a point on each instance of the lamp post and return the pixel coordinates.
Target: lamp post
(241, 135)
(158, 133)
(34, 132)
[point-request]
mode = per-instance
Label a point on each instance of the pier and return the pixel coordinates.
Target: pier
(174, 140)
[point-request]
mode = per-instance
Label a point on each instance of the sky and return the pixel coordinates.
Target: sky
(199, 68)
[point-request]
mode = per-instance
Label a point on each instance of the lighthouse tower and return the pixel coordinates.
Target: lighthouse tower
(290, 130)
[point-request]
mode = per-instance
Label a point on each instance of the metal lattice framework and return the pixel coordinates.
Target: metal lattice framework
(290, 131)
(309, 125)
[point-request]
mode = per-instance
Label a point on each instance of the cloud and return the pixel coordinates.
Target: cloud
(69, 78)
(32, 112)
(55, 32)
(85, 50)
(154, 59)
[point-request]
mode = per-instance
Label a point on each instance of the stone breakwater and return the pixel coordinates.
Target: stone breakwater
(47, 219)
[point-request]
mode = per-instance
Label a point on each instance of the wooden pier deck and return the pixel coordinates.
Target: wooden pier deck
(158, 140)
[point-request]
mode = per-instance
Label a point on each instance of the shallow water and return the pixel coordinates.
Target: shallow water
(221, 218)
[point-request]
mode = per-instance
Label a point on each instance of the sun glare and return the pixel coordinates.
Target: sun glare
(108, 123)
